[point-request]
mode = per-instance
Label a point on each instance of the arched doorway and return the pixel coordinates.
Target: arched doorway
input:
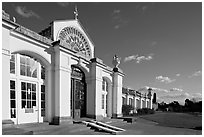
(27, 89)
(78, 93)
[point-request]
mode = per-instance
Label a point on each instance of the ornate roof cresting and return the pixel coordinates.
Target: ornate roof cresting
(76, 13)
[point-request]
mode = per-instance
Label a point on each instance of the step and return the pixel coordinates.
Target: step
(102, 128)
(108, 126)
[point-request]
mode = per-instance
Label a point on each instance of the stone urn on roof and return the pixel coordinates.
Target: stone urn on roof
(116, 63)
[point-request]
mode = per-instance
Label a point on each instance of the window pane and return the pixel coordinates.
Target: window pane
(42, 112)
(33, 96)
(12, 58)
(12, 67)
(34, 74)
(42, 96)
(23, 86)
(102, 101)
(28, 71)
(33, 87)
(12, 94)
(28, 86)
(28, 61)
(13, 113)
(33, 103)
(23, 104)
(23, 70)
(13, 104)
(28, 104)
(22, 60)
(42, 104)
(42, 88)
(28, 95)
(12, 84)
(42, 72)
(23, 95)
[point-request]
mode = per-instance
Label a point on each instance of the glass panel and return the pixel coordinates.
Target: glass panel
(28, 61)
(42, 104)
(28, 104)
(12, 84)
(33, 103)
(13, 104)
(102, 101)
(23, 70)
(22, 60)
(42, 112)
(28, 71)
(23, 86)
(12, 58)
(34, 74)
(23, 104)
(28, 86)
(106, 86)
(42, 72)
(12, 67)
(13, 113)
(33, 96)
(34, 87)
(23, 95)
(42, 88)
(12, 94)
(42, 96)
(28, 95)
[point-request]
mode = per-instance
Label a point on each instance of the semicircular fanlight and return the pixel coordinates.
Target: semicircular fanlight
(74, 39)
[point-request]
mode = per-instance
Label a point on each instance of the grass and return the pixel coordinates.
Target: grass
(179, 120)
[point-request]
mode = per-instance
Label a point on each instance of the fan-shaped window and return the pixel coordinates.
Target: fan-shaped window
(74, 40)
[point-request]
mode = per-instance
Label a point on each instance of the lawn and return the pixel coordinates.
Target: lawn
(181, 120)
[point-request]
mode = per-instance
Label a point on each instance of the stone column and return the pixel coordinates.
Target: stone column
(117, 93)
(62, 86)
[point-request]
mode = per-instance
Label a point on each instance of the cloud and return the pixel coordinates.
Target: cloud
(165, 79)
(63, 4)
(145, 89)
(138, 58)
(129, 58)
(176, 89)
(196, 74)
(118, 20)
(178, 75)
(25, 12)
(176, 96)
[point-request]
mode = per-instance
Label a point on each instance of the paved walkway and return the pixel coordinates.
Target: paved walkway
(140, 127)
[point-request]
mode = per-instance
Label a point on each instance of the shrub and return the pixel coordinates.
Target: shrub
(126, 109)
(144, 111)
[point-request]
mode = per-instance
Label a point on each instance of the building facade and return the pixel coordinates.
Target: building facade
(54, 75)
(136, 99)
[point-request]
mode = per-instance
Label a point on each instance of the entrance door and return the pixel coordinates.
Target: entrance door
(28, 112)
(78, 94)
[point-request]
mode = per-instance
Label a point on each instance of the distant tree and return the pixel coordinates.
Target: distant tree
(193, 106)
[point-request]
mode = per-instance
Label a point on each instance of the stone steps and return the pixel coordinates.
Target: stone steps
(100, 126)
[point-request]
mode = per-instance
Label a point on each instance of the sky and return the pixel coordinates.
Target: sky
(159, 43)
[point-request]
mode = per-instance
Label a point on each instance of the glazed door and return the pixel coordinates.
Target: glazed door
(28, 106)
(78, 98)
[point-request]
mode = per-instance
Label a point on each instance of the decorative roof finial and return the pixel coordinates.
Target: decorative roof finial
(76, 13)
